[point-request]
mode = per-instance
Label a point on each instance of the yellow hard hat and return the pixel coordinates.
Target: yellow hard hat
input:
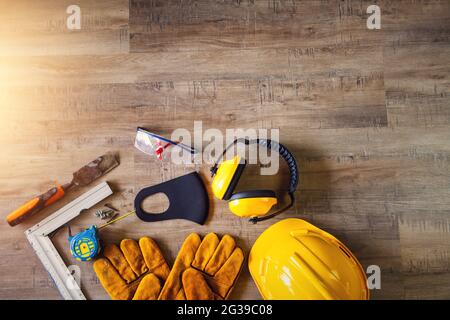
(293, 259)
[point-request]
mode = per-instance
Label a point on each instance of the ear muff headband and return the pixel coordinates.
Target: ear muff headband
(285, 154)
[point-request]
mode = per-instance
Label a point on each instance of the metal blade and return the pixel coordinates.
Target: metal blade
(95, 169)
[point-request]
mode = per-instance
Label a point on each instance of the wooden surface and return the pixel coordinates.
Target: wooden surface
(366, 112)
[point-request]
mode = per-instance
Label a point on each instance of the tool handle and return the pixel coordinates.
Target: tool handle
(35, 205)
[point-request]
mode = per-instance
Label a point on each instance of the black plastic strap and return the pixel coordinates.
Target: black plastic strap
(254, 220)
(253, 194)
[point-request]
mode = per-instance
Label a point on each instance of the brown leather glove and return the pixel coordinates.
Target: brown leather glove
(133, 271)
(205, 269)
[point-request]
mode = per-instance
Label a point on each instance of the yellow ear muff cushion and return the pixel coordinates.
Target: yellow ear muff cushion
(251, 207)
(224, 176)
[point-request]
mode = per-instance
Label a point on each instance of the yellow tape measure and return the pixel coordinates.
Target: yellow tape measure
(85, 245)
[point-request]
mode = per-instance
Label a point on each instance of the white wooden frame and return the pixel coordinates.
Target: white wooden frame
(38, 236)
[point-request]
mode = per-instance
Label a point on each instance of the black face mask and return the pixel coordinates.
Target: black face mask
(187, 195)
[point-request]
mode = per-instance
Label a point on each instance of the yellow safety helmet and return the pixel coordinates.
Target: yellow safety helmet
(293, 259)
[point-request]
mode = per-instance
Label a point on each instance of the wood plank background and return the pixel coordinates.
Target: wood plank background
(366, 112)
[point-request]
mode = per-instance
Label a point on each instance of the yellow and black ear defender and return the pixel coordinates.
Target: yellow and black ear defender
(255, 204)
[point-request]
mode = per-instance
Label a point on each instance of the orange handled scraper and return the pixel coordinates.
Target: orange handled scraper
(82, 177)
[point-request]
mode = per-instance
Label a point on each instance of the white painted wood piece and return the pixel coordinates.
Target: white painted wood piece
(38, 236)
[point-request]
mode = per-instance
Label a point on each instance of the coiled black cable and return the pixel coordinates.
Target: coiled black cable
(288, 157)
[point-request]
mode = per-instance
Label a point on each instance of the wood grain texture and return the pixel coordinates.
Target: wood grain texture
(31, 28)
(366, 113)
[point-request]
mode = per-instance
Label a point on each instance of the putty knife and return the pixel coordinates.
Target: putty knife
(82, 177)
